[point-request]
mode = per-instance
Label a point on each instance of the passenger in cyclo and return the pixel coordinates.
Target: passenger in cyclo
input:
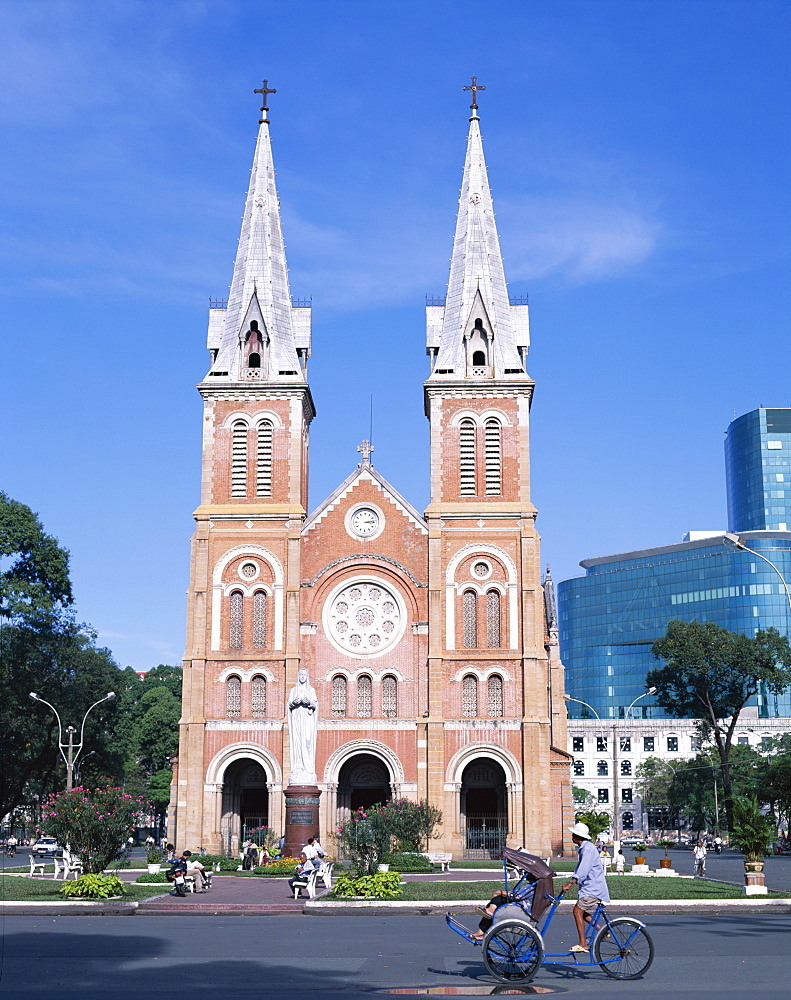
(589, 875)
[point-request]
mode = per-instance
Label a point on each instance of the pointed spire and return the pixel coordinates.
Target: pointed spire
(259, 287)
(477, 279)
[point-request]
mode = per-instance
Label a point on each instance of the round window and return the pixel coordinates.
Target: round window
(364, 618)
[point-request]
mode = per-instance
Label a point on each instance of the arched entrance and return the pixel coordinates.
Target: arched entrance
(363, 781)
(245, 802)
(484, 809)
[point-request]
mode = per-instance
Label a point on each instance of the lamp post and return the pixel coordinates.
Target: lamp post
(736, 540)
(67, 750)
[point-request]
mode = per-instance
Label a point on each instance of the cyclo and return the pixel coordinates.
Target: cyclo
(513, 947)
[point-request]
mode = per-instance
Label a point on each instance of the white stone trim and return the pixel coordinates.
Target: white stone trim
(364, 505)
(376, 675)
(365, 578)
(218, 590)
(487, 751)
(361, 475)
(245, 673)
(252, 419)
(337, 759)
(366, 725)
(479, 418)
(240, 725)
(451, 587)
(487, 725)
(215, 772)
(482, 673)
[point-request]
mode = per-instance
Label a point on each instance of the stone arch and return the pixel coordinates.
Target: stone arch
(373, 747)
(243, 778)
(473, 751)
(218, 590)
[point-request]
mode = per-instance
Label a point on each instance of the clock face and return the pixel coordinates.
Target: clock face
(364, 521)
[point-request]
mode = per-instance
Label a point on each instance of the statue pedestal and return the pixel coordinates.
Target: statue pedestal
(302, 817)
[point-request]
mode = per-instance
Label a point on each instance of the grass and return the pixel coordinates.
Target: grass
(14, 890)
(559, 866)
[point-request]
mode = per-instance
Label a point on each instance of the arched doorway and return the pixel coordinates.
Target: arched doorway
(363, 781)
(245, 802)
(484, 809)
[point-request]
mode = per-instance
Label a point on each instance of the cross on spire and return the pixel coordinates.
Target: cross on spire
(474, 87)
(365, 450)
(264, 92)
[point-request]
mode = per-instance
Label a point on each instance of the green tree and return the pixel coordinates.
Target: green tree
(597, 822)
(711, 674)
(582, 798)
(775, 782)
(412, 824)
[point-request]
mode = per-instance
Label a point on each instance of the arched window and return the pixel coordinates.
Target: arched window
(493, 460)
(627, 821)
(236, 620)
(258, 697)
(626, 768)
(389, 697)
(239, 459)
(364, 697)
(495, 697)
(339, 697)
(259, 619)
(233, 697)
(579, 768)
(602, 770)
(467, 457)
(263, 474)
(493, 619)
(478, 358)
(470, 609)
(469, 696)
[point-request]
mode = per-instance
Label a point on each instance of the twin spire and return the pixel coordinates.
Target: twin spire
(476, 333)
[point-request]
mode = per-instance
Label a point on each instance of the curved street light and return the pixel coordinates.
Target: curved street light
(736, 540)
(67, 750)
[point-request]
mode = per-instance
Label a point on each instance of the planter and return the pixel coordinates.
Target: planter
(754, 878)
(383, 868)
(154, 869)
(753, 866)
(639, 860)
(665, 863)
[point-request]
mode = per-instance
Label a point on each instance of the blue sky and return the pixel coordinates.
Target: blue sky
(638, 155)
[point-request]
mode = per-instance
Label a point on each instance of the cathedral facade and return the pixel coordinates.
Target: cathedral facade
(429, 637)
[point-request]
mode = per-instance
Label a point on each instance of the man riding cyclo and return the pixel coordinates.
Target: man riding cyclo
(589, 875)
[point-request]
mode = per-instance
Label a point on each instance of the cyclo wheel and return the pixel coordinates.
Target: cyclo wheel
(512, 951)
(624, 949)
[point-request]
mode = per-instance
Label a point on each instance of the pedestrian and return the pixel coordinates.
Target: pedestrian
(699, 859)
(589, 875)
(170, 855)
(620, 861)
(304, 868)
(321, 854)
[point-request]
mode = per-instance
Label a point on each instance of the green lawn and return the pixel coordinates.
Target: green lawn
(559, 866)
(46, 890)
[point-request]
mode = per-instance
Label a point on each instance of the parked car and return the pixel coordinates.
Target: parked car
(46, 847)
(631, 841)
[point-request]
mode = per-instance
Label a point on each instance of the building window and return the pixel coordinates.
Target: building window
(389, 697)
(579, 768)
(696, 743)
(493, 462)
(626, 795)
(259, 619)
(495, 697)
(263, 473)
(648, 744)
(239, 459)
(469, 696)
(766, 743)
(601, 744)
(467, 458)
(602, 770)
(236, 620)
(627, 821)
(672, 744)
(233, 697)
(604, 795)
(626, 744)
(364, 697)
(339, 697)
(578, 744)
(743, 741)
(493, 619)
(626, 768)
(258, 697)
(470, 609)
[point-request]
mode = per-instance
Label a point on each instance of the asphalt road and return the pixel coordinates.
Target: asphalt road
(350, 957)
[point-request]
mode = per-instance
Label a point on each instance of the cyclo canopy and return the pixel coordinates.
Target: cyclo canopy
(538, 875)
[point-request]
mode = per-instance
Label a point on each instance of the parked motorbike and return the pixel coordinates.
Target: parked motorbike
(175, 874)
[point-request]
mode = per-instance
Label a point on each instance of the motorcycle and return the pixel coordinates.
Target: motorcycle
(175, 874)
(718, 848)
(10, 850)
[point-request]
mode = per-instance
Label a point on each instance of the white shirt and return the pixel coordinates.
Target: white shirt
(310, 851)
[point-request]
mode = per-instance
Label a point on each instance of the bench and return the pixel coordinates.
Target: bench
(307, 882)
(37, 865)
(325, 873)
(68, 864)
(189, 880)
(441, 858)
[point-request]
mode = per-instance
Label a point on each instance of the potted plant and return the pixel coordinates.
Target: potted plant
(154, 859)
(639, 850)
(667, 843)
(752, 835)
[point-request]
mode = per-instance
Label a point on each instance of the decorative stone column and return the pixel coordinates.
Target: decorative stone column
(302, 817)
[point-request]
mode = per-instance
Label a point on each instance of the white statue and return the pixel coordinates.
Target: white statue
(303, 713)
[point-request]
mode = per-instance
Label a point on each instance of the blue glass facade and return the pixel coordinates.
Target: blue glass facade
(609, 618)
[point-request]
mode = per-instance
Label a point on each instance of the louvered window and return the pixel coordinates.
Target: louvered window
(469, 696)
(470, 610)
(339, 696)
(389, 697)
(259, 619)
(364, 697)
(493, 460)
(239, 459)
(258, 697)
(467, 457)
(233, 697)
(263, 481)
(236, 629)
(495, 697)
(493, 619)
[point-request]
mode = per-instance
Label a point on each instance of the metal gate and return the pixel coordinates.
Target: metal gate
(484, 837)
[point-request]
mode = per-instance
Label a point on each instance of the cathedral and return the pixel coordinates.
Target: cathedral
(429, 638)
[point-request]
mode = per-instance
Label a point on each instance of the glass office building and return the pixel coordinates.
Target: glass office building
(609, 618)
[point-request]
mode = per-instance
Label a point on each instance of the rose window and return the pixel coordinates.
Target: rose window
(364, 618)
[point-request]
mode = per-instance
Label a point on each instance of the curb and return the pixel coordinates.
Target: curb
(78, 908)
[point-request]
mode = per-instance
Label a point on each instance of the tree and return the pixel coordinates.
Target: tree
(412, 824)
(775, 779)
(582, 798)
(711, 674)
(597, 822)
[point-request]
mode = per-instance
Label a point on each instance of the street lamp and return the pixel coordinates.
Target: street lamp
(67, 750)
(736, 540)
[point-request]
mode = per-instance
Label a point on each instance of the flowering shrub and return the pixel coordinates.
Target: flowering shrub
(382, 885)
(367, 835)
(94, 823)
(286, 866)
(93, 887)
